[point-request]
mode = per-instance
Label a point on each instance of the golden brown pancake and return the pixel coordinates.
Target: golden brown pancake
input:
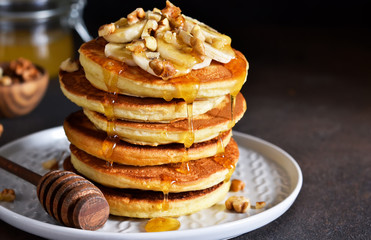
(205, 126)
(83, 134)
(149, 204)
(79, 90)
(187, 176)
(111, 75)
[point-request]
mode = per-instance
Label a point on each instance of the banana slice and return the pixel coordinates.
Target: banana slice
(143, 62)
(224, 53)
(212, 36)
(185, 36)
(177, 56)
(206, 62)
(217, 55)
(124, 32)
(118, 51)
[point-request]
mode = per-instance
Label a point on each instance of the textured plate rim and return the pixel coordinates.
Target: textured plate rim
(220, 231)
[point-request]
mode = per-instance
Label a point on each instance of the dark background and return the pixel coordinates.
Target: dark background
(308, 91)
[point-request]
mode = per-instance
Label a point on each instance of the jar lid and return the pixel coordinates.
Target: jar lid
(20, 10)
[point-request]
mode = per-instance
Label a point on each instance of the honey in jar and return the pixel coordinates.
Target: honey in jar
(39, 31)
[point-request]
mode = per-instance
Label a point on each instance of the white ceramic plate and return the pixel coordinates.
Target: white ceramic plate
(270, 174)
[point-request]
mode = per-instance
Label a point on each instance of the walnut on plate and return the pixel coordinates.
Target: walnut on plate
(238, 204)
(259, 205)
(7, 195)
(237, 185)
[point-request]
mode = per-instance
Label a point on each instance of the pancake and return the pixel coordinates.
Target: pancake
(79, 90)
(205, 126)
(111, 75)
(83, 134)
(149, 204)
(187, 176)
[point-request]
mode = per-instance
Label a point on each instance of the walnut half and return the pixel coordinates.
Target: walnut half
(7, 195)
(238, 204)
(237, 185)
(162, 68)
(136, 15)
(259, 205)
(174, 15)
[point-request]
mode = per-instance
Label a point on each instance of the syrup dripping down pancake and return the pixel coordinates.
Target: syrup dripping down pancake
(79, 90)
(149, 204)
(84, 135)
(202, 173)
(205, 126)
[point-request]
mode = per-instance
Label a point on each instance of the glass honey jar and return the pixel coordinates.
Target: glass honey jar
(40, 30)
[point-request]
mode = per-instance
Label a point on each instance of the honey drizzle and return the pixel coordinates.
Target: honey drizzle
(110, 98)
(233, 105)
(220, 157)
(183, 167)
(166, 184)
(188, 90)
(162, 224)
(224, 160)
(189, 137)
(233, 95)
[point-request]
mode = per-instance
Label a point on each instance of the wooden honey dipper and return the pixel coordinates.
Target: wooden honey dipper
(69, 198)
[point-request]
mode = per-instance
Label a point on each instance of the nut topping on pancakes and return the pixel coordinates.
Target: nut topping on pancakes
(147, 39)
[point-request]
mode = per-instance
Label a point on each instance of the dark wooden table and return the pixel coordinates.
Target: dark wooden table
(309, 92)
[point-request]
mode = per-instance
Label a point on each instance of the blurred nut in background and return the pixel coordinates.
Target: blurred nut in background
(22, 86)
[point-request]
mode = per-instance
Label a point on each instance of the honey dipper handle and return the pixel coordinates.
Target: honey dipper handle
(19, 171)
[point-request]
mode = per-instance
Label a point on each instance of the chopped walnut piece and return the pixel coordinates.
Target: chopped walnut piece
(162, 68)
(106, 29)
(259, 205)
(238, 204)
(23, 70)
(163, 26)
(51, 164)
(5, 81)
(7, 195)
(169, 36)
(136, 46)
(69, 66)
(151, 43)
(136, 15)
(19, 65)
(174, 15)
(237, 185)
(150, 26)
(30, 74)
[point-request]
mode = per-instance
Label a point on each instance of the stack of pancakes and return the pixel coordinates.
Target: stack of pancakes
(154, 147)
